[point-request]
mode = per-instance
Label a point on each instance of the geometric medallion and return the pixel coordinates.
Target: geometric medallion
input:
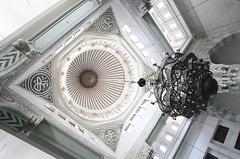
(106, 23)
(40, 83)
(109, 135)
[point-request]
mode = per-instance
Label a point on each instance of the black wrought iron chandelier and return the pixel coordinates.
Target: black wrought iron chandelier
(183, 86)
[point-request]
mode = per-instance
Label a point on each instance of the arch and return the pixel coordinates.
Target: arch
(226, 51)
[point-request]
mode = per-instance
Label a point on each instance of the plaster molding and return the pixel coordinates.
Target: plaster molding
(140, 7)
(40, 83)
(128, 65)
(9, 99)
(12, 120)
(10, 60)
(109, 135)
(106, 23)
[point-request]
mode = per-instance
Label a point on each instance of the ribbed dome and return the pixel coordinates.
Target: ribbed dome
(92, 78)
(95, 79)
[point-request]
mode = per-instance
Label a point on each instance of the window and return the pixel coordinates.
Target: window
(163, 148)
(168, 137)
(126, 28)
(133, 38)
(170, 23)
(160, 5)
(210, 156)
(180, 118)
(221, 133)
(173, 127)
(237, 145)
(167, 15)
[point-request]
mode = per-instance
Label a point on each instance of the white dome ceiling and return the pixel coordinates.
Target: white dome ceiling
(92, 79)
(106, 73)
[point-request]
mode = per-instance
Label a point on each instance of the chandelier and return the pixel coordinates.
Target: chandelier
(183, 85)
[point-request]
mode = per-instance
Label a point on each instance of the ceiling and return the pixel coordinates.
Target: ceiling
(17, 15)
(113, 66)
(210, 17)
(102, 49)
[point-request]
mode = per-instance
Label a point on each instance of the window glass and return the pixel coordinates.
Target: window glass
(174, 127)
(210, 156)
(169, 137)
(163, 148)
(221, 133)
(237, 145)
(168, 22)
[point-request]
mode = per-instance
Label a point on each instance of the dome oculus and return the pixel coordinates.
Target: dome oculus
(88, 79)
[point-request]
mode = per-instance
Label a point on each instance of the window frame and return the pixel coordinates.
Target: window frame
(237, 143)
(220, 134)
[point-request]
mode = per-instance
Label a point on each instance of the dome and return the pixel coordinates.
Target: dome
(93, 80)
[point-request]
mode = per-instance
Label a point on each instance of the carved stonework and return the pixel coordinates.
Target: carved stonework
(15, 102)
(227, 76)
(5, 97)
(15, 121)
(10, 58)
(40, 83)
(224, 114)
(145, 152)
(141, 7)
(15, 53)
(106, 23)
(25, 48)
(109, 135)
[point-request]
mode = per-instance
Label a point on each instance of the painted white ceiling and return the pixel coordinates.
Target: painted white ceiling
(210, 17)
(15, 13)
(14, 148)
(218, 16)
